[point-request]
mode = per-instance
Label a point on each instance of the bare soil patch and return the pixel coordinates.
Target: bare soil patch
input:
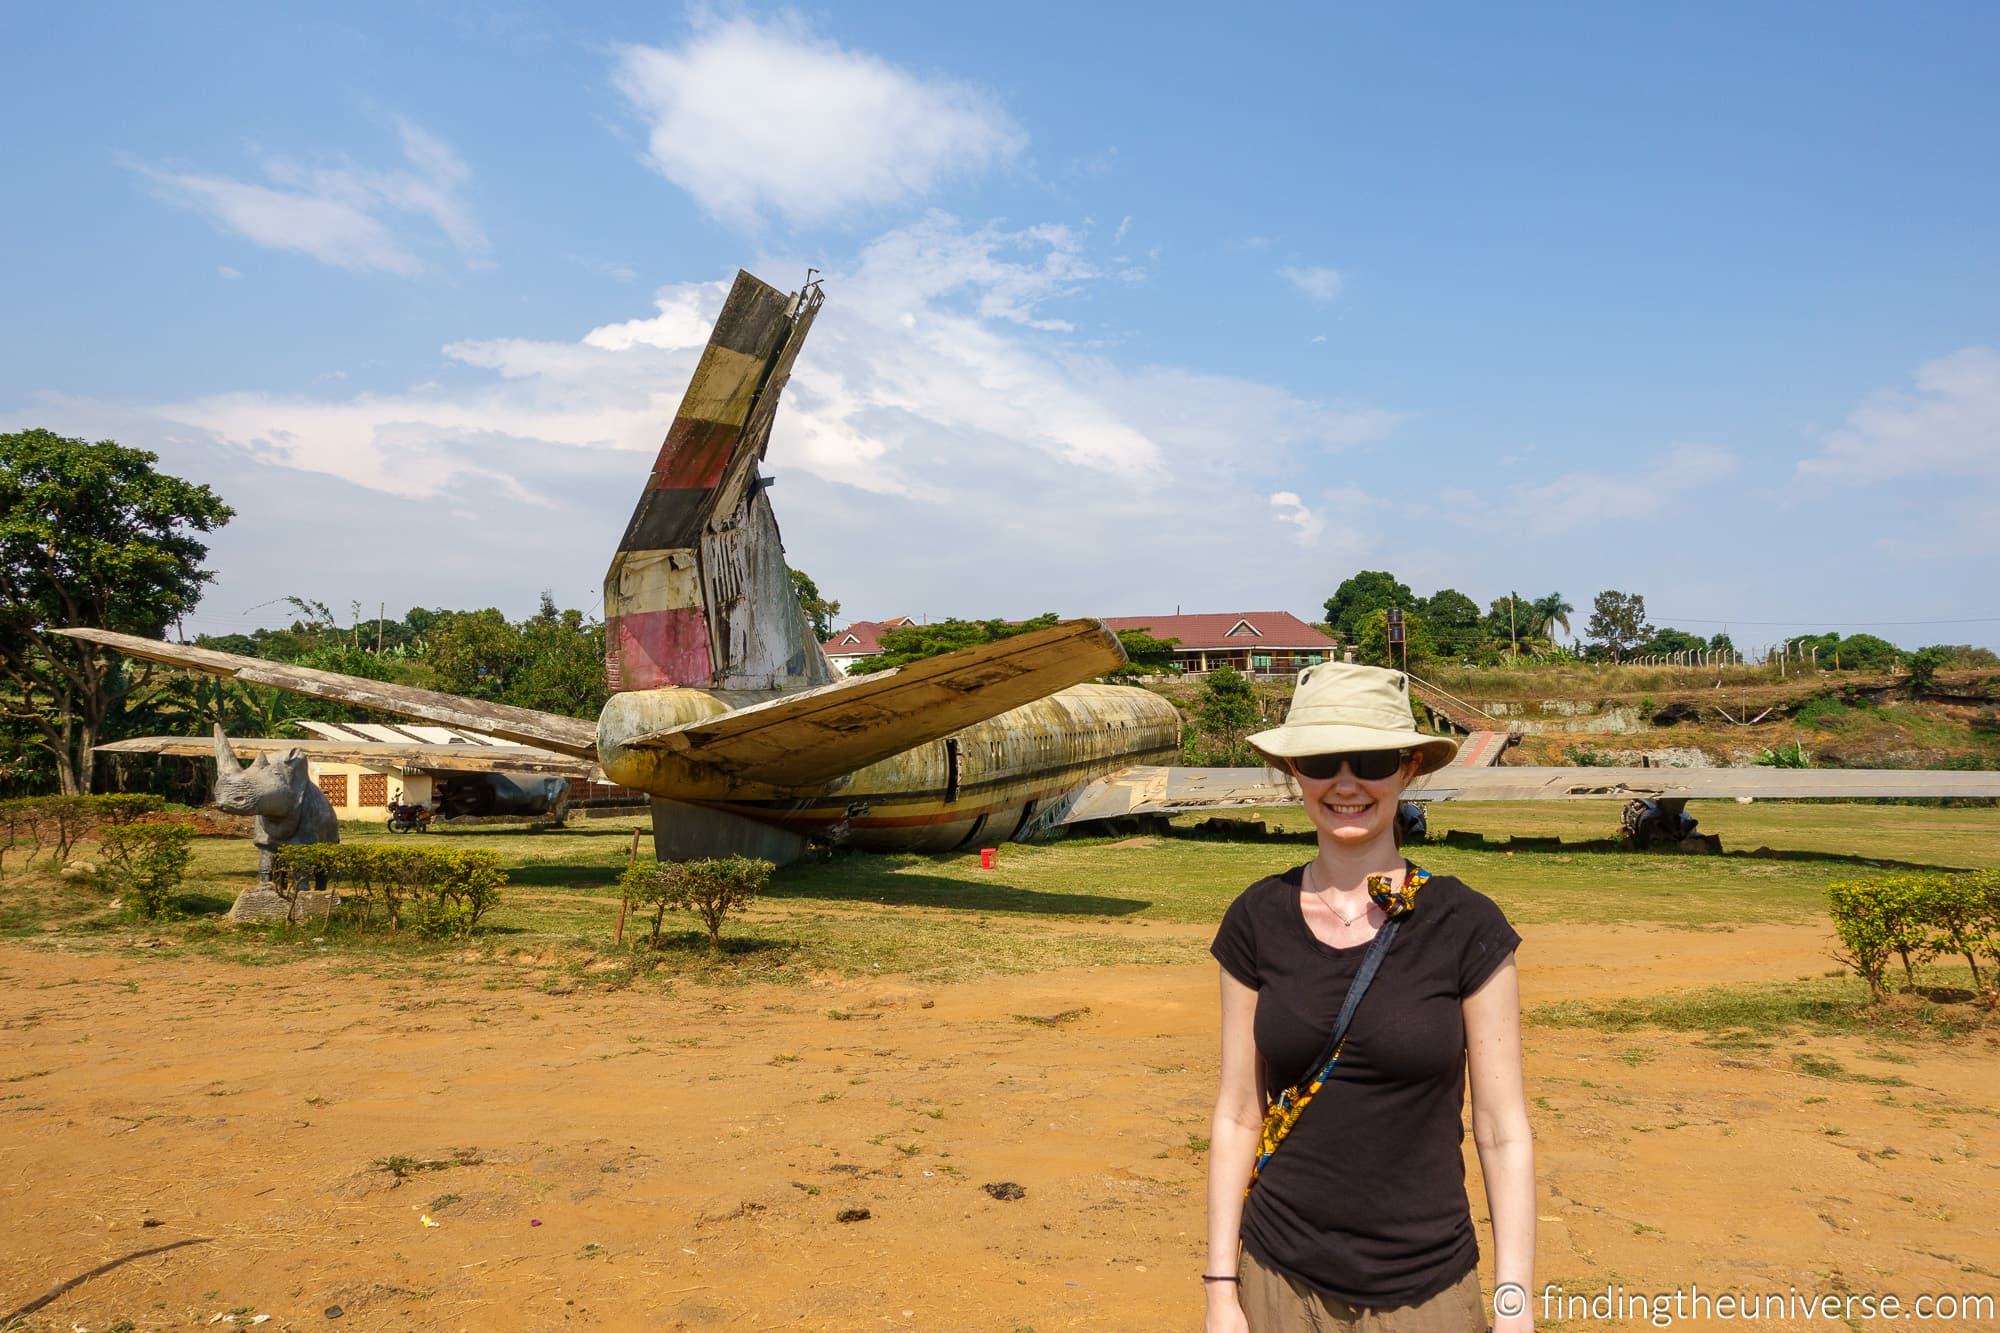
(682, 1158)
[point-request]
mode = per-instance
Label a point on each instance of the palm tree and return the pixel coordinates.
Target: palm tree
(1545, 613)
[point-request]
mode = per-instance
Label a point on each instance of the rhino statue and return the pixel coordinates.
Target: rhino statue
(280, 792)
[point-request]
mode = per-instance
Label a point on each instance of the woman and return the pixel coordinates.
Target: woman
(1358, 1217)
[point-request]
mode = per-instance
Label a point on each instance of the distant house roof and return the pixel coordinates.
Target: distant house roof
(1231, 629)
(863, 638)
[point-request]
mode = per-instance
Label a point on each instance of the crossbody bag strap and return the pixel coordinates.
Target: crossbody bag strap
(1282, 1114)
(1371, 963)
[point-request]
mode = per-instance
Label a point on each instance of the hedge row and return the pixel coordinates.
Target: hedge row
(433, 890)
(1916, 918)
(58, 823)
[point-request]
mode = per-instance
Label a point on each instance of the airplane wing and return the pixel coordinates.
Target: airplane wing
(1678, 784)
(526, 726)
(817, 735)
(433, 758)
(1146, 790)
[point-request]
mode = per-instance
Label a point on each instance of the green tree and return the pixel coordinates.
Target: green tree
(1453, 621)
(90, 535)
(913, 643)
(1721, 643)
(1509, 621)
(1227, 709)
(1617, 623)
(475, 653)
(1671, 640)
(1548, 612)
(1805, 645)
(1924, 666)
(1372, 644)
(1864, 652)
(1144, 654)
(562, 663)
(1361, 595)
(819, 611)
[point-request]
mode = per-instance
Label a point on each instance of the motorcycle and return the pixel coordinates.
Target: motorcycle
(409, 818)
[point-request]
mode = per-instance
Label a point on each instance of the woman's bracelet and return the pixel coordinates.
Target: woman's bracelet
(1218, 1277)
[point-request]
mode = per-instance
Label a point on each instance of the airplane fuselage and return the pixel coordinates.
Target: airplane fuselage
(986, 782)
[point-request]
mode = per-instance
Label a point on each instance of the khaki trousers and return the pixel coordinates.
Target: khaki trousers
(1274, 1303)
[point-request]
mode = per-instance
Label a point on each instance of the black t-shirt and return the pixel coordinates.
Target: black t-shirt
(1365, 1199)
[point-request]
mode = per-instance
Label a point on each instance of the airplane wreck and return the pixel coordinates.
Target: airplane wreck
(728, 716)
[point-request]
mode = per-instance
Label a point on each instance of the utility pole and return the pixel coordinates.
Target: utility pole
(379, 608)
(1513, 635)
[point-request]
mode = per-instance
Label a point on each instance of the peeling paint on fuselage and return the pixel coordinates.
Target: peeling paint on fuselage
(1008, 767)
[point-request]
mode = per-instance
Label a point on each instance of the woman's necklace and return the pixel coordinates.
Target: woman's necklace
(1345, 920)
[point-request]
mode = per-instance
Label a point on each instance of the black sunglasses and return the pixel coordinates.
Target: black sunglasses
(1368, 765)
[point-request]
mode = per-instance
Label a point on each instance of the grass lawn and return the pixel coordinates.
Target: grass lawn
(1073, 902)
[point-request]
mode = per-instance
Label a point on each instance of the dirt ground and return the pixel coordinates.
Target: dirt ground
(631, 1160)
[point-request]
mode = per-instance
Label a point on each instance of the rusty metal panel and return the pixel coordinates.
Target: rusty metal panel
(763, 638)
(698, 593)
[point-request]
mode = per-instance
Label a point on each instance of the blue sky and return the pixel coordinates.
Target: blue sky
(1129, 308)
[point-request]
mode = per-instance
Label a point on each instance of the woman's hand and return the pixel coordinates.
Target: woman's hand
(1225, 1309)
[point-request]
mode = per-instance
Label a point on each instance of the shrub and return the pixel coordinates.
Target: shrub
(1964, 912)
(67, 820)
(712, 889)
(1864, 652)
(15, 823)
(1786, 756)
(442, 891)
(455, 889)
(125, 807)
(1858, 924)
(1822, 712)
(1924, 664)
(1918, 916)
(146, 863)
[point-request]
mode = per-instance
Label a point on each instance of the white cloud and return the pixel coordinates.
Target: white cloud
(1948, 427)
(1579, 499)
(225, 271)
(1320, 285)
(1286, 507)
(754, 118)
(338, 214)
(939, 399)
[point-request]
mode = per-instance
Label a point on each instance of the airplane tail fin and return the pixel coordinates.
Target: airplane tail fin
(699, 593)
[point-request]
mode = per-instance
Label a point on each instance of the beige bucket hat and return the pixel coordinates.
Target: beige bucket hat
(1343, 706)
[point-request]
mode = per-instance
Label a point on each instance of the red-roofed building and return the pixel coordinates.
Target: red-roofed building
(861, 639)
(1259, 642)
(1262, 642)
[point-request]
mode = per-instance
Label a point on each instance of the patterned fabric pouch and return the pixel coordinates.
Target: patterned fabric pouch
(1283, 1113)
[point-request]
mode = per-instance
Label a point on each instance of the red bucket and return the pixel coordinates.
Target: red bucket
(987, 856)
